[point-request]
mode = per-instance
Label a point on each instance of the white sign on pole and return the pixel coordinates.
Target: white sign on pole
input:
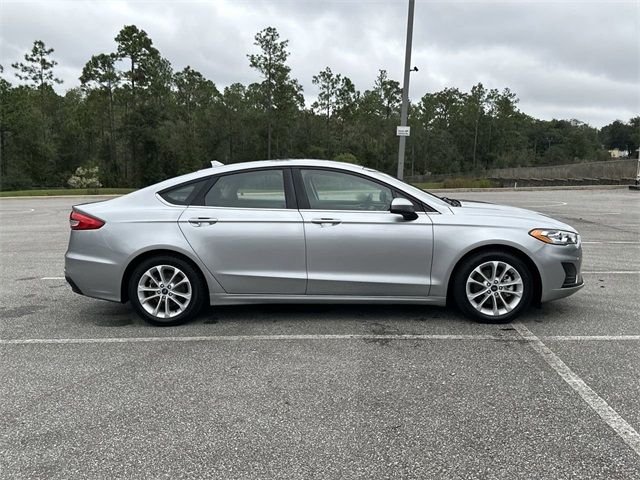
(403, 131)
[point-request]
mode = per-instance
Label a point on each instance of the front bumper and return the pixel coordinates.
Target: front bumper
(560, 271)
(557, 293)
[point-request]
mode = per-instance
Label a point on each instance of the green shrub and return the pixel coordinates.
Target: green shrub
(85, 177)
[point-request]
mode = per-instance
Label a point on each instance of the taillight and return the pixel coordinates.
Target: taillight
(82, 221)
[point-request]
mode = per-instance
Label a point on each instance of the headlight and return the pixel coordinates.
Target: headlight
(556, 237)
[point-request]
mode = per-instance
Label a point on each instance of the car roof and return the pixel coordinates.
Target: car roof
(293, 162)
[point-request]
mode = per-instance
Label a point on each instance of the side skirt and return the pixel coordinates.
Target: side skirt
(236, 299)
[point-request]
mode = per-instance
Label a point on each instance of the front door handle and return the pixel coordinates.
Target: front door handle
(326, 221)
(198, 221)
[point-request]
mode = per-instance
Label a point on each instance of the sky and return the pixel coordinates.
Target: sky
(564, 59)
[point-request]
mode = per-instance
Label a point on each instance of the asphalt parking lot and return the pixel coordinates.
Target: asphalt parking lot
(89, 391)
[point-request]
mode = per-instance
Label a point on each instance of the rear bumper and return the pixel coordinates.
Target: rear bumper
(73, 285)
(93, 277)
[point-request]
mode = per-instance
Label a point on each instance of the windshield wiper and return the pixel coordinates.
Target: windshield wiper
(451, 201)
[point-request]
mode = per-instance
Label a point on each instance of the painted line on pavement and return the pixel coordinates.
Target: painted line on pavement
(616, 272)
(613, 242)
(52, 278)
(536, 205)
(13, 210)
(218, 338)
(589, 338)
(595, 401)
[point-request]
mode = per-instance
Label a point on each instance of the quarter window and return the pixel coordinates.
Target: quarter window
(258, 189)
(331, 190)
(181, 194)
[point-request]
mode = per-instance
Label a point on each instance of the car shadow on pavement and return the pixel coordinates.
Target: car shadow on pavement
(274, 313)
(105, 314)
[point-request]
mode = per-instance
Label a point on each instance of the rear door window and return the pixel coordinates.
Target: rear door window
(257, 189)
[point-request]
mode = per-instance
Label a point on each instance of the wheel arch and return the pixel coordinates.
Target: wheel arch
(142, 256)
(528, 261)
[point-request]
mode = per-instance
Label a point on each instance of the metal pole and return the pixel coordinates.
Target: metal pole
(405, 89)
(636, 184)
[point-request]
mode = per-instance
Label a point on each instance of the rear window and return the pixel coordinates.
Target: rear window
(182, 194)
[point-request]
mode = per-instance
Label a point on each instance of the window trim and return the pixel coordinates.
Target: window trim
(295, 193)
(303, 198)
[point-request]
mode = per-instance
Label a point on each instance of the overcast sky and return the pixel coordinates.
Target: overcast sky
(564, 59)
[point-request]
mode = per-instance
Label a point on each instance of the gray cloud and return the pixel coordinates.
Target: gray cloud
(564, 59)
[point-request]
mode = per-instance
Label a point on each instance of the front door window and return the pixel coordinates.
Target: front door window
(330, 190)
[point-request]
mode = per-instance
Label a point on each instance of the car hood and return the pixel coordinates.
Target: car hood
(537, 219)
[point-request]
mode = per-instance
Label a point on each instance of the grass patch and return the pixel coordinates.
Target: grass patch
(66, 191)
(428, 185)
(458, 183)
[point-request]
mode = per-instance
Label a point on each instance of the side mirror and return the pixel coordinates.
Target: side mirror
(402, 206)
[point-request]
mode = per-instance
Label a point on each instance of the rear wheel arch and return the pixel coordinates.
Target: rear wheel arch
(526, 259)
(124, 284)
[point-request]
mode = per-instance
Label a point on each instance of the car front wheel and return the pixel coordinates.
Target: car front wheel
(166, 291)
(493, 287)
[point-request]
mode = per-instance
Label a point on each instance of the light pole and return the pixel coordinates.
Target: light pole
(636, 185)
(405, 92)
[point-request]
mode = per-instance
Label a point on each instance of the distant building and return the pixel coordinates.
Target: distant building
(617, 153)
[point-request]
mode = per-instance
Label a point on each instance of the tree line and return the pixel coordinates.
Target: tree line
(139, 121)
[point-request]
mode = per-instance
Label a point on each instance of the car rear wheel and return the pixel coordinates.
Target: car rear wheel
(166, 291)
(493, 287)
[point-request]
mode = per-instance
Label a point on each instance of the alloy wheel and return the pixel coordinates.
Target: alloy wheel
(164, 291)
(494, 288)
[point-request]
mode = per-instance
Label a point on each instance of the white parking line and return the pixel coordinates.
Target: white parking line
(52, 278)
(613, 242)
(9, 210)
(588, 338)
(529, 205)
(616, 272)
(218, 338)
(597, 403)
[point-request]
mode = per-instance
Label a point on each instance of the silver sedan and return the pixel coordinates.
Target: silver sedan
(314, 231)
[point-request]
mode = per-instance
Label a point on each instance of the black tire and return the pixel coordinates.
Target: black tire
(464, 270)
(195, 280)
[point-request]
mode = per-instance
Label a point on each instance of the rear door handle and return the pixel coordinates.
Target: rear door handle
(198, 221)
(326, 221)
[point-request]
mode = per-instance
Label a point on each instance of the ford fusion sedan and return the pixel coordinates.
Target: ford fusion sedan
(314, 231)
